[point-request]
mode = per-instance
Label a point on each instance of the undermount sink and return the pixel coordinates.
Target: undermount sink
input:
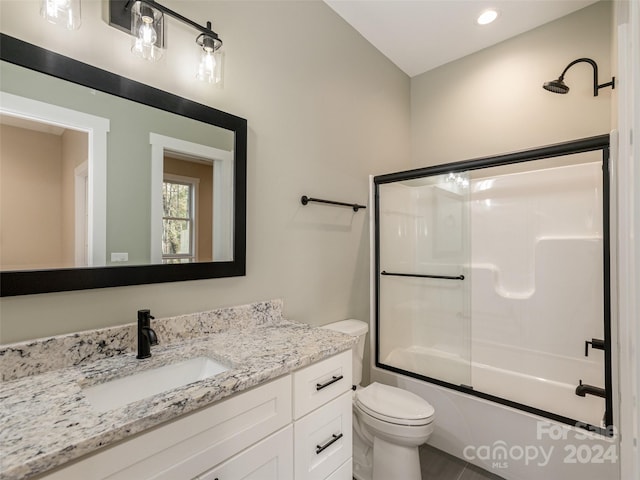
(125, 390)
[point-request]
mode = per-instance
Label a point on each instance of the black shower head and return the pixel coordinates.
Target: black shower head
(556, 86)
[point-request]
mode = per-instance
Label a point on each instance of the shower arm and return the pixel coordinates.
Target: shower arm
(596, 87)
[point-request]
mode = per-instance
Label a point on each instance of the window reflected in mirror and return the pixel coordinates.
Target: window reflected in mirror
(178, 221)
(187, 198)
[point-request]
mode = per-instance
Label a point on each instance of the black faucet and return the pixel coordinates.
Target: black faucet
(584, 389)
(146, 335)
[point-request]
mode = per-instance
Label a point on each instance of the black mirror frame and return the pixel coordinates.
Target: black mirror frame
(41, 60)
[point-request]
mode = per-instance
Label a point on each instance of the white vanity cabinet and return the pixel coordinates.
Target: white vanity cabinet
(322, 429)
(295, 427)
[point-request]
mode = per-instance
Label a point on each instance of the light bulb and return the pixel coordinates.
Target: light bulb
(54, 6)
(146, 27)
(207, 67)
(147, 35)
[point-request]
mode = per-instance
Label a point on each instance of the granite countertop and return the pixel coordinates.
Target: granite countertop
(46, 421)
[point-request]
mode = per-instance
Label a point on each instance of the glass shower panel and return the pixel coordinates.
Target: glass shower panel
(537, 293)
(494, 279)
(424, 286)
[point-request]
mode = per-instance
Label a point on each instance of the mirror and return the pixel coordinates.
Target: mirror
(150, 187)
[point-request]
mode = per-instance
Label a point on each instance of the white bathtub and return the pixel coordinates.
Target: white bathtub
(512, 443)
(551, 391)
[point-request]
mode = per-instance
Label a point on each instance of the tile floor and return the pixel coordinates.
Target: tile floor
(438, 465)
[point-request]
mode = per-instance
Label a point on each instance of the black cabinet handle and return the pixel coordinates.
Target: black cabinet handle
(334, 379)
(334, 439)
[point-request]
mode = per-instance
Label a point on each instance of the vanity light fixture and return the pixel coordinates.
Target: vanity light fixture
(65, 13)
(558, 85)
(144, 20)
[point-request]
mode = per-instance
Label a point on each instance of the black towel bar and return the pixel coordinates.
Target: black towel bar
(304, 200)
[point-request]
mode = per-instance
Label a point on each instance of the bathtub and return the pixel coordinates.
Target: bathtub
(548, 384)
(514, 444)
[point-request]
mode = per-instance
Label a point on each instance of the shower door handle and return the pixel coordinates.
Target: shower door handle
(595, 343)
(415, 275)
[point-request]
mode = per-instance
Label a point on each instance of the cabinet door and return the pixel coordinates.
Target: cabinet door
(316, 384)
(271, 459)
(323, 439)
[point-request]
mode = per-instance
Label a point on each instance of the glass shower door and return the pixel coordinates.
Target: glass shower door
(424, 321)
(492, 278)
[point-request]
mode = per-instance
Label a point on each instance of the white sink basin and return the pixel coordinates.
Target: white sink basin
(123, 391)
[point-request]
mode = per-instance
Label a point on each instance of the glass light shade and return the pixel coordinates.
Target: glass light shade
(147, 30)
(210, 67)
(65, 13)
(211, 60)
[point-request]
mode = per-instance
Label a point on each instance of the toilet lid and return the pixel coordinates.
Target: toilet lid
(394, 405)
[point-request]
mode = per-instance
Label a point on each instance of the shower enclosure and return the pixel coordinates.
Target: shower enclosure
(492, 278)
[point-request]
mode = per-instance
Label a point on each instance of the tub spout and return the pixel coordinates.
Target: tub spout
(583, 389)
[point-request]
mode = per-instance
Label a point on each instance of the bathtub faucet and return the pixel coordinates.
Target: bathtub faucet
(583, 389)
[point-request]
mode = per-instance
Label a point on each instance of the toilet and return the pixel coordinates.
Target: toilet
(389, 424)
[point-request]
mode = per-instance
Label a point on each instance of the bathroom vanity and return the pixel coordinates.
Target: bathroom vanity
(283, 381)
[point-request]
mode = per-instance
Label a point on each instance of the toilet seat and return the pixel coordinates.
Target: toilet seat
(394, 405)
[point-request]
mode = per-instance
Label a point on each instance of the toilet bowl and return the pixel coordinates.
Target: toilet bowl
(389, 424)
(393, 423)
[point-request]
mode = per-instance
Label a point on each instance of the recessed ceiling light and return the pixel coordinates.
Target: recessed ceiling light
(487, 16)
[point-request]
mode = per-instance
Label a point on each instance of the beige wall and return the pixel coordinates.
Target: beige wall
(324, 110)
(37, 197)
(492, 102)
(30, 198)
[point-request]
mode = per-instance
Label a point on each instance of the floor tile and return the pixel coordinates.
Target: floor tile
(438, 465)
(471, 472)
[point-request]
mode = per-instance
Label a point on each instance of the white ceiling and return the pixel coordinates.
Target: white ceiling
(419, 35)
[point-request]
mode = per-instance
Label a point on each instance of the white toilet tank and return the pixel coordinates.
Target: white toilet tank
(355, 328)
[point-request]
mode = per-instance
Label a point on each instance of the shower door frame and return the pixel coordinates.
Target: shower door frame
(590, 144)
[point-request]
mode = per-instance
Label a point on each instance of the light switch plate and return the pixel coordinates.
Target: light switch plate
(119, 257)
